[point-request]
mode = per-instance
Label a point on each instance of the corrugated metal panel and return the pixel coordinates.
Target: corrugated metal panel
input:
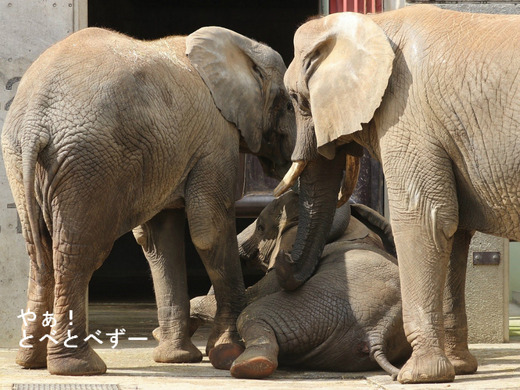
(361, 6)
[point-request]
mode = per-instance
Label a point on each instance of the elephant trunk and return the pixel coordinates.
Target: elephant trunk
(247, 247)
(319, 186)
(339, 223)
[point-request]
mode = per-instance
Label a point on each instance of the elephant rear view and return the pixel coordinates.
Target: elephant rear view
(107, 134)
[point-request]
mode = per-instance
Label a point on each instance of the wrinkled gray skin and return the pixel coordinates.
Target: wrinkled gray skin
(435, 96)
(107, 134)
(346, 317)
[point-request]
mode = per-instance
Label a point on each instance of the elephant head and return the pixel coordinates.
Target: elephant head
(275, 229)
(272, 231)
(245, 79)
(337, 80)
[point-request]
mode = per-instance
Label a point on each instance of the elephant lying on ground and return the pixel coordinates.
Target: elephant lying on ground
(346, 317)
(434, 95)
(107, 134)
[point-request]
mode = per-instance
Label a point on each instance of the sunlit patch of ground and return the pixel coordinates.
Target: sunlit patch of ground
(514, 322)
(514, 328)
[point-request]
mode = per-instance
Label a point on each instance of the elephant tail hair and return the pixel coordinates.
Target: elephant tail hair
(32, 144)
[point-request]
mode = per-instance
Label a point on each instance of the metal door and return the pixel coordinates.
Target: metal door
(361, 6)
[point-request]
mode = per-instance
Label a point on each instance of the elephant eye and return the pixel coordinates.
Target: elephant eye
(290, 107)
(305, 106)
(260, 228)
(302, 104)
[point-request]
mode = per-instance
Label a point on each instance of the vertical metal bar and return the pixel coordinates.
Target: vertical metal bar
(324, 7)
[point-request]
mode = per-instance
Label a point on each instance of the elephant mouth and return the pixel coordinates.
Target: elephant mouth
(248, 256)
(274, 169)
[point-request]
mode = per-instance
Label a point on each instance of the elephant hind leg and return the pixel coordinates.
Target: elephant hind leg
(455, 320)
(260, 358)
(74, 265)
(40, 296)
(162, 240)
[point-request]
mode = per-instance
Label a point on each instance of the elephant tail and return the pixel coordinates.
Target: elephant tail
(389, 339)
(32, 144)
(379, 356)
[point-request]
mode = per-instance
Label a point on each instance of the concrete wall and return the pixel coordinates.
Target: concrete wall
(514, 272)
(27, 28)
(487, 292)
(487, 8)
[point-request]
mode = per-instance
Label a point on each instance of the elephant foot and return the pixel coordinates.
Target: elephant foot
(194, 325)
(167, 352)
(222, 356)
(35, 357)
(80, 362)
(463, 362)
(427, 368)
(156, 333)
(222, 349)
(256, 362)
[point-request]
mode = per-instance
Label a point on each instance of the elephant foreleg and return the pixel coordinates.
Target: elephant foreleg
(265, 286)
(424, 212)
(202, 311)
(260, 358)
(211, 216)
(422, 284)
(162, 240)
(455, 320)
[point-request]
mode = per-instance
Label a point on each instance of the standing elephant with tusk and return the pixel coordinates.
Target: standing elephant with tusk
(435, 96)
(346, 317)
(109, 134)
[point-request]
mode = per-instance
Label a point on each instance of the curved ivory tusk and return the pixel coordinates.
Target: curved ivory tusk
(351, 177)
(290, 177)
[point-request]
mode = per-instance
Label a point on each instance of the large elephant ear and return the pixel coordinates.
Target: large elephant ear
(233, 67)
(346, 64)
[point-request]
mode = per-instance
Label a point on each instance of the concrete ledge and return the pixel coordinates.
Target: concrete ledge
(482, 7)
